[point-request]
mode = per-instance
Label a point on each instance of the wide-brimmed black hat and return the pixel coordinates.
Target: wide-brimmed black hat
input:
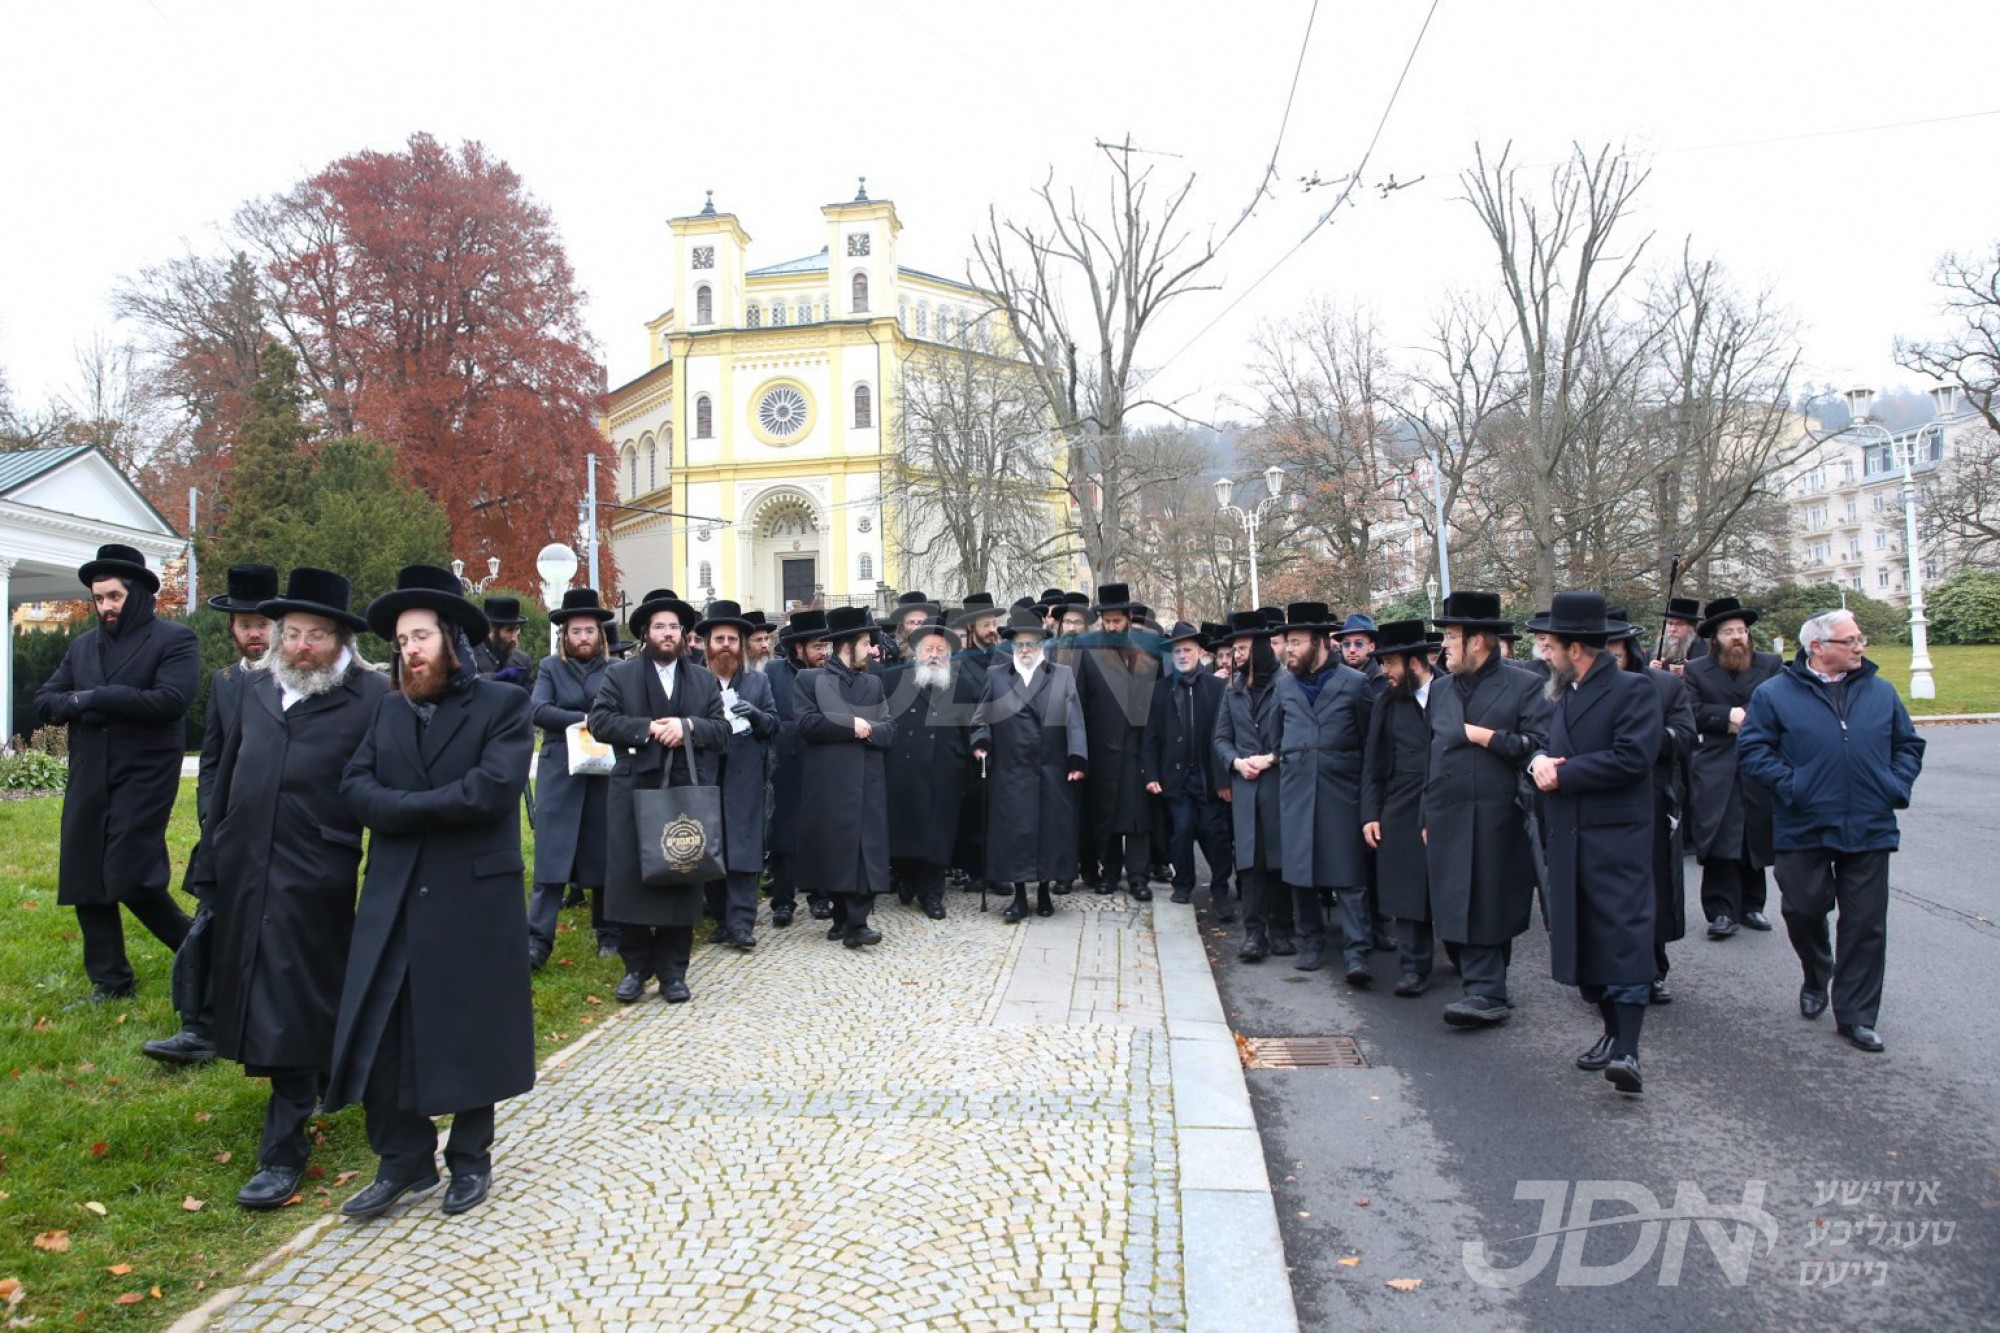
(1023, 620)
(118, 562)
(1212, 632)
(1476, 611)
(1072, 601)
(316, 592)
(1308, 616)
(1050, 598)
(1683, 608)
(1721, 610)
(1623, 626)
(725, 613)
(1246, 625)
(656, 601)
(1182, 632)
(977, 605)
(937, 627)
(848, 622)
(1359, 622)
(806, 623)
(580, 602)
(429, 588)
(1403, 637)
(614, 643)
(758, 624)
(1113, 597)
(912, 601)
(504, 611)
(250, 586)
(1578, 615)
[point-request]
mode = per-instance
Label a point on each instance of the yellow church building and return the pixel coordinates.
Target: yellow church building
(750, 457)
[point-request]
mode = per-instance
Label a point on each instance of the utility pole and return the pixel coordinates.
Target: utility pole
(194, 573)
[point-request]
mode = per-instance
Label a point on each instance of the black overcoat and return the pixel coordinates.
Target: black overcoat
(224, 690)
(285, 851)
(843, 830)
(570, 811)
(746, 773)
(1319, 777)
(1116, 697)
(1033, 734)
(1251, 724)
(1607, 731)
(124, 700)
(1677, 737)
(930, 761)
(1476, 852)
(442, 915)
(1169, 748)
(486, 663)
(1392, 793)
(1731, 813)
(787, 751)
(628, 700)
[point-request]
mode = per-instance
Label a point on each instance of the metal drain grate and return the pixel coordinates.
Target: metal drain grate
(1300, 1053)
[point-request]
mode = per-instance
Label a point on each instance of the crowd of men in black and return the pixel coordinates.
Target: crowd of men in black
(1350, 787)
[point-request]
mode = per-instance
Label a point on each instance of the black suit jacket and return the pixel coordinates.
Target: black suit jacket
(1169, 748)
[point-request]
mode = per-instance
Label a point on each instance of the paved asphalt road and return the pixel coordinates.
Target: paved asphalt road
(1865, 1161)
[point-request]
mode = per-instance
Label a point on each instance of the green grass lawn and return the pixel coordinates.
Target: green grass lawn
(108, 1148)
(1967, 676)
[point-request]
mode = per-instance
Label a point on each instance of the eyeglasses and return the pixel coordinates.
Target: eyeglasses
(317, 638)
(1851, 641)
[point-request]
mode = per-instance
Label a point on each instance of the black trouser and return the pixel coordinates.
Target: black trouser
(1123, 855)
(1415, 949)
(1731, 888)
(1483, 969)
(783, 888)
(294, 1095)
(545, 907)
(192, 961)
(738, 902)
(1307, 915)
(1356, 922)
(103, 931)
(1857, 883)
(656, 951)
(1160, 853)
(923, 878)
(1193, 818)
(850, 910)
(1267, 905)
(401, 1135)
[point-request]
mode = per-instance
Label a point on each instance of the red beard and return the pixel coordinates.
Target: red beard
(724, 662)
(424, 681)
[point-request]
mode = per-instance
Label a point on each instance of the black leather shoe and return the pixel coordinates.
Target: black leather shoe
(538, 957)
(1862, 1036)
(933, 904)
(1103, 888)
(1812, 1001)
(106, 994)
(1477, 1011)
(1222, 909)
(1140, 893)
(1311, 957)
(183, 1048)
(1017, 909)
(1159, 873)
(1623, 1073)
(1410, 984)
(381, 1196)
(1181, 896)
(1756, 921)
(1359, 976)
(1598, 1056)
(740, 939)
(837, 931)
(1256, 945)
(782, 916)
(1062, 887)
(1721, 928)
(269, 1188)
(1661, 994)
(630, 987)
(862, 936)
(1384, 942)
(1043, 907)
(673, 992)
(1283, 944)
(466, 1191)
(607, 951)
(821, 910)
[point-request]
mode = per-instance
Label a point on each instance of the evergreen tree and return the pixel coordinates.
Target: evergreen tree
(270, 487)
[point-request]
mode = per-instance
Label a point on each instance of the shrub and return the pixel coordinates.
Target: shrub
(1965, 608)
(32, 770)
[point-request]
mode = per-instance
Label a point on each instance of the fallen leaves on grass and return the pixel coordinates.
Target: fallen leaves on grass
(55, 1242)
(592, 999)
(99, 1148)
(42, 1024)
(95, 1207)
(222, 1158)
(11, 1291)
(344, 1177)
(315, 1172)
(131, 1298)
(190, 1204)
(119, 1270)
(203, 1116)
(1405, 1283)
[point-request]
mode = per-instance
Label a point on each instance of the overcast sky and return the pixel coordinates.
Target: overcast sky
(1778, 136)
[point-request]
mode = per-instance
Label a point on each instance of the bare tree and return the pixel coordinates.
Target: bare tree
(1961, 510)
(1192, 557)
(108, 407)
(203, 323)
(304, 269)
(1969, 356)
(1080, 286)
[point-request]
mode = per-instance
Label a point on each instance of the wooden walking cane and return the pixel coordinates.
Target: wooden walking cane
(983, 797)
(1673, 577)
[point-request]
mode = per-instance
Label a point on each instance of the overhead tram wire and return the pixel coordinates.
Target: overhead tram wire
(1284, 122)
(1353, 179)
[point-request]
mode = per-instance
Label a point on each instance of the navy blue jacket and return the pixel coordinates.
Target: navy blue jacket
(1838, 772)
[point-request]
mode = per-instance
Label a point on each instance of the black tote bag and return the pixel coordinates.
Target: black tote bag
(679, 831)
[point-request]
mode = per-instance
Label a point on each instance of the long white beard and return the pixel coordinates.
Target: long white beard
(308, 683)
(934, 675)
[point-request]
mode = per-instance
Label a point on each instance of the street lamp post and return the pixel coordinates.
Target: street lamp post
(1944, 401)
(492, 573)
(1252, 518)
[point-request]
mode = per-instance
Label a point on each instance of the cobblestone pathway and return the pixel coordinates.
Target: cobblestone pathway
(966, 1127)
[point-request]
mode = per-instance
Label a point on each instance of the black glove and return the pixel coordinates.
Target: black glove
(749, 712)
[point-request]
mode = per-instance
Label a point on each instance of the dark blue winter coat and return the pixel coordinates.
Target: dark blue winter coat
(1838, 772)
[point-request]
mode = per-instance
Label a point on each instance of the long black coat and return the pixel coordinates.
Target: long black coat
(1392, 793)
(627, 701)
(1116, 699)
(285, 850)
(486, 662)
(1170, 749)
(930, 762)
(1319, 778)
(746, 773)
(1250, 724)
(1600, 846)
(1477, 853)
(844, 823)
(787, 751)
(1731, 813)
(224, 691)
(441, 912)
(1033, 734)
(1677, 737)
(124, 700)
(570, 811)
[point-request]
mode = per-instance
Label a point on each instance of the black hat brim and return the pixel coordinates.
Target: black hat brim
(382, 612)
(118, 569)
(745, 627)
(1708, 627)
(284, 606)
(603, 615)
(643, 614)
(1406, 648)
(230, 606)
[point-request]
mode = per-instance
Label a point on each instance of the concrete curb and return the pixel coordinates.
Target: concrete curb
(1920, 720)
(1233, 1255)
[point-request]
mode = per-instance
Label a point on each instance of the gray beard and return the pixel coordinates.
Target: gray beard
(307, 683)
(934, 675)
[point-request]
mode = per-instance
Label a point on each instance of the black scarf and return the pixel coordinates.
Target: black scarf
(137, 614)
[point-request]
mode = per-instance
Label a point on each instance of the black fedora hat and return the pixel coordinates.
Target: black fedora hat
(1402, 637)
(316, 592)
(1578, 615)
(1477, 611)
(937, 627)
(805, 623)
(115, 561)
(1622, 626)
(656, 601)
(1113, 597)
(1023, 620)
(848, 622)
(978, 605)
(913, 600)
(1683, 608)
(758, 624)
(1212, 632)
(1183, 632)
(1050, 598)
(1722, 610)
(428, 588)
(1312, 616)
(250, 586)
(615, 643)
(1247, 625)
(581, 602)
(722, 612)
(504, 611)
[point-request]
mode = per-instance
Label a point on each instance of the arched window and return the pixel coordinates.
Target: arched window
(652, 463)
(704, 304)
(867, 568)
(704, 418)
(778, 313)
(805, 310)
(753, 317)
(923, 321)
(707, 574)
(631, 472)
(864, 408)
(903, 315)
(668, 440)
(985, 336)
(860, 286)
